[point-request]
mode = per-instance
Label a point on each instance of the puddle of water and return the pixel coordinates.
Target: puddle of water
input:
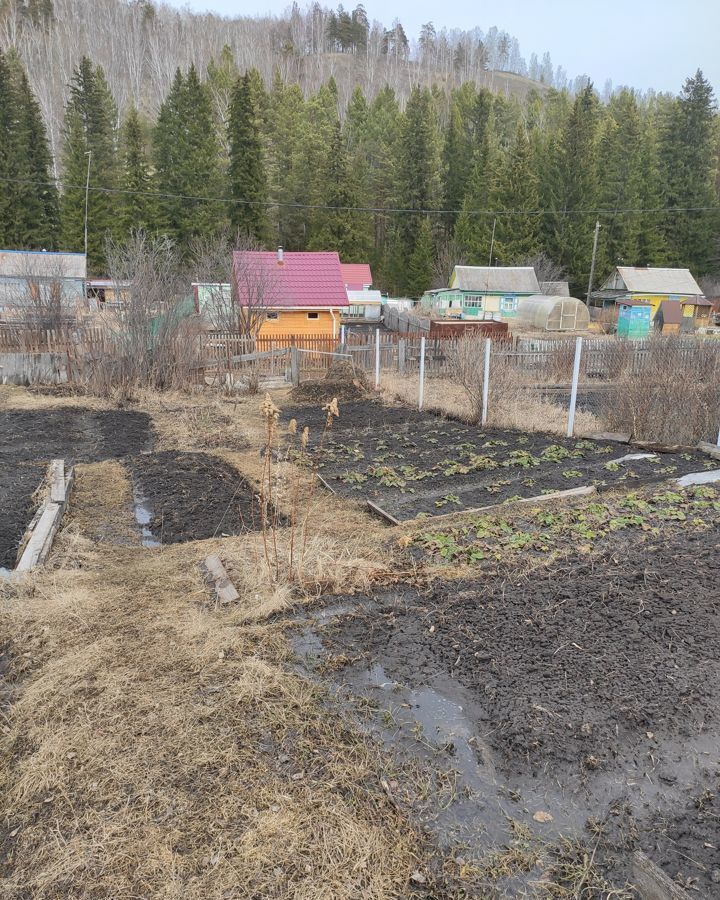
(5, 573)
(631, 456)
(307, 645)
(143, 516)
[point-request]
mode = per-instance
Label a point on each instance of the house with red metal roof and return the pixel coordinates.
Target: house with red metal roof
(357, 276)
(290, 294)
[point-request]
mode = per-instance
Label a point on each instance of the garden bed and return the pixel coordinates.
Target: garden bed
(30, 439)
(192, 496)
(576, 694)
(413, 464)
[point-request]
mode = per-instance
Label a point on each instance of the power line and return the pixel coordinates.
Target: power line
(369, 209)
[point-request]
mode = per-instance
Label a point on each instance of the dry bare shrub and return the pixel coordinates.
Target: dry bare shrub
(668, 392)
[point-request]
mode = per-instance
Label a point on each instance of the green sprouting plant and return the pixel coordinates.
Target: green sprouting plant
(686, 456)
(381, 445)
(619, 522)
(632, 501)
(612, 466)
(522, 440)
(668, 470)
(671, 513)
(671, 498)
(705, 491)
(387, 476)
(354, 478)
(585, 445)
(556, 453)
(513, 499)
(548, 519)
(448, 498)
(431, 440)
(528, 482)
(606, 449)
(478, 462)
(519, 540)
(494, 443)
(572, 473)
(521, 458)
(497, 486)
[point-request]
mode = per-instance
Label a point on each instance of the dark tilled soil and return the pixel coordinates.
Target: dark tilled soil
(593, 683)
(412, 463)
(360, 414)
(193, 496)
(30, 439)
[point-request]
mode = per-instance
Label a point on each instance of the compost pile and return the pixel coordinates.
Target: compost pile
(342, 381)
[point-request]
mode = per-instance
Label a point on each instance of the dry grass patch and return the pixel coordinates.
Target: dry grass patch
(101, 504)
(158, 749)
(509, 405)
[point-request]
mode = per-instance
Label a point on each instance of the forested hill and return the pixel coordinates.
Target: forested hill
(140, 44)
(413, 178)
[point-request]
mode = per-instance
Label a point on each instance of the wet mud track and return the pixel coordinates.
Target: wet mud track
(589, 691)
(30, 439)
(191, 496)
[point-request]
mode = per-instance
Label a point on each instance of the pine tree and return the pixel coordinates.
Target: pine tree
(248, 182)
(187, 162)
(89, 135)
(139, 204)
(340, 228)
(515, 190)
(317, 135)
(420, 266)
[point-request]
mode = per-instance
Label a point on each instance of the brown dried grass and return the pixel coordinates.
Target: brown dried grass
(157, 748)
(509, 405)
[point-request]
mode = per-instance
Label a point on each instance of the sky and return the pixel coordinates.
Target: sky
(641, 43)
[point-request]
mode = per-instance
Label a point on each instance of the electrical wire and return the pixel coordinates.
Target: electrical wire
(369, 209)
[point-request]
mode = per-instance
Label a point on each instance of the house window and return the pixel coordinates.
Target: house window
(273, 315)
(473, 302)
(313, 315)
(508, 304)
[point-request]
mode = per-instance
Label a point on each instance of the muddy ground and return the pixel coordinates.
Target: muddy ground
(413, 464)
(30, 439)
(586, 690)
(191, 496)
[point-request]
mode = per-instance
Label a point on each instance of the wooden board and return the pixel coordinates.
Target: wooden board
(711, 449)
(46, 522)
(616, 436)
(57, 481)
(652, 883)
(224, 588)
(539, 498)
(381, 512)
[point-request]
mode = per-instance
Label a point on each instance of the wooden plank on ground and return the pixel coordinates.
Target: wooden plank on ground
(324, 483)
(617, 436)
(538, 498)
(57, 481)
(652, 883)
(224, 588)
(381, 512)
(711, 449)
(38, 547)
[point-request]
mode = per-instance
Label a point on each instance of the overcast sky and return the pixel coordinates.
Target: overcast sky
(643, 43)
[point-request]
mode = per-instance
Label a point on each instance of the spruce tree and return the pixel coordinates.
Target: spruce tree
(473, 232)
(138, 201)
(9, 162)
(516, 198)
(287, 124)
(248, 183)
(420, 266)
(90, 128)
(418, 166)
(188, 174)
(574, 219)
(689, 159)
(31, 193)
(340, 227)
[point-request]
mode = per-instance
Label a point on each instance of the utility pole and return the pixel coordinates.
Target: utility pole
(88, 153)
(492, 241)
(592, 264)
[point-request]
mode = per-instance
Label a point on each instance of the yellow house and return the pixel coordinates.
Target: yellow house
(652, 286)
(290, 294)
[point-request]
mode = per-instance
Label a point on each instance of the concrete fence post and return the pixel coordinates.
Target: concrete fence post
(402, 354)
(574, 389)
(486, 381)
(421, 395)
(377, 358)
(342, 335)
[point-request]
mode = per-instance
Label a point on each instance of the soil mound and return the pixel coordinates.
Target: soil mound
(342, 380)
